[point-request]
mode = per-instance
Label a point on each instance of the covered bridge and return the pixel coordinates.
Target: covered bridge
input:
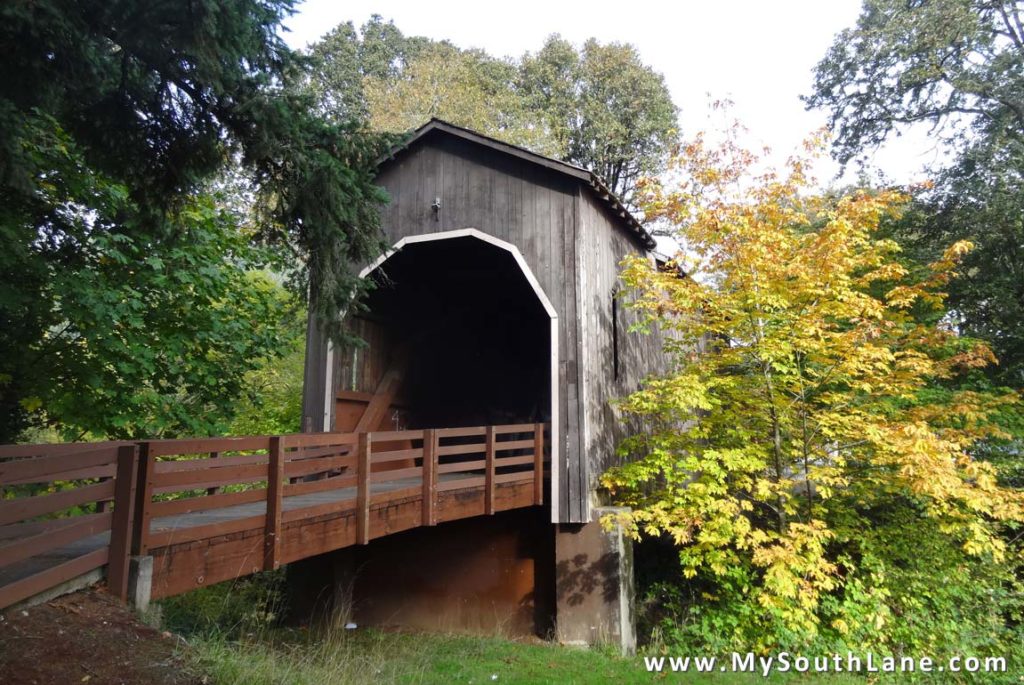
(497, 303)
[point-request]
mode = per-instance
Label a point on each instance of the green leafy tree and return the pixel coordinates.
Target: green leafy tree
(612, 113)
(115, 118)
(118, 333)
(273, 403)
(958, 65)
(939, 61)
(465, 87)
(599, 107)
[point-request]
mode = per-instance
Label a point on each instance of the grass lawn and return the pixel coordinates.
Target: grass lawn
(370, 656)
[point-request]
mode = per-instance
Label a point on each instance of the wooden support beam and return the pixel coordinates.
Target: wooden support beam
(275, 489)
(143, 499)
(388, 387)
(489, 472)
(430, 454)
(363, 488)
(121, 530)
(538, 463)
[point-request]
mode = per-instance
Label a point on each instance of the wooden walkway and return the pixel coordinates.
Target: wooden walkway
(215, 509)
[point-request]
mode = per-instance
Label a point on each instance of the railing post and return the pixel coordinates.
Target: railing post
(275, 488)
(121, 526)
(538, 463)
(363, 489)
(489, 473)
(429, 476)
(143, 499)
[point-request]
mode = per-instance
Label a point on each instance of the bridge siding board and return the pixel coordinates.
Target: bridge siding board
(602, 247)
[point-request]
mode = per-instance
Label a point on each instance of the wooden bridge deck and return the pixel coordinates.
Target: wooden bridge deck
(246, 504)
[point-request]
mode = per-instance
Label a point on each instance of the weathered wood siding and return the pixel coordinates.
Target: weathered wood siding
(602, 247)
(573, 247)
(518, 202)
(314, 380)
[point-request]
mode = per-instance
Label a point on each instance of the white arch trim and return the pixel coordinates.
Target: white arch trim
(542, 297)
(479, 235)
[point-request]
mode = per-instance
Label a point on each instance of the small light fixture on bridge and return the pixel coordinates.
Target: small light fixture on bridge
(437, 208)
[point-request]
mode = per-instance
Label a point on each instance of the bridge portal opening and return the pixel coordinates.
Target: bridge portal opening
(456, 335)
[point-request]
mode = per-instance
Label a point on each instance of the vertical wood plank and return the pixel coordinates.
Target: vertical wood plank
(143, 500)
(363, 489)
(538, 463)
(275, 488)
(489, 473)
(429, 477)
(121, 529)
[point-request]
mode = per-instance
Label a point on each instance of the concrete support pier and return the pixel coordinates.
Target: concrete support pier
(594, 584)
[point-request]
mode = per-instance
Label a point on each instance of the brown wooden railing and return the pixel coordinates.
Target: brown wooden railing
(69, 509)
(57, 495)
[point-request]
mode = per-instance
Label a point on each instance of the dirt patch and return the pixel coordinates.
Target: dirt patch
(87, 637)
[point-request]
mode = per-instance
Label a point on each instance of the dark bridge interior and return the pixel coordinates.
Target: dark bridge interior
(474, 336)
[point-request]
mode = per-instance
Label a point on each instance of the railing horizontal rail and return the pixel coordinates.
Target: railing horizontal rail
(515, 428)
(514, 461)
(72, 530)
(319, 439)
(457, 466)
(396, 474)
(161, 448)
(397, 455)
(395, 436)
(303, 453)
(189, 505)
(450, 450)
(211, 476)
(461, 432)
(55, 575)
(314, 486)
(58, 449)
(22, 508)
(505, 445)
(307, 467)
(48, 468)
(207, 463)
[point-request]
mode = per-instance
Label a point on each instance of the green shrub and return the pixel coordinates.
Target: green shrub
(230, 609)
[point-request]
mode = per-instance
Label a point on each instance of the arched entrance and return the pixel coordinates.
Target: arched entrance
(458, 333)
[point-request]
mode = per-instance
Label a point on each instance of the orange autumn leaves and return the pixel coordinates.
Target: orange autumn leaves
(803, 356)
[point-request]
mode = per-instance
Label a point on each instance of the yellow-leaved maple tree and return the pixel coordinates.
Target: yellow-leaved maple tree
(798, 393)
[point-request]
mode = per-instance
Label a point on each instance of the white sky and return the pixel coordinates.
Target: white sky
(758, 54)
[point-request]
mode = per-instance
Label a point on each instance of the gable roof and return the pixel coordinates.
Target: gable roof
(589, 179)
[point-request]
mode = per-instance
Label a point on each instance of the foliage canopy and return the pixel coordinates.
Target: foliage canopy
(597, 106)
(959, 66)
(125, 279)
(806, 404)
